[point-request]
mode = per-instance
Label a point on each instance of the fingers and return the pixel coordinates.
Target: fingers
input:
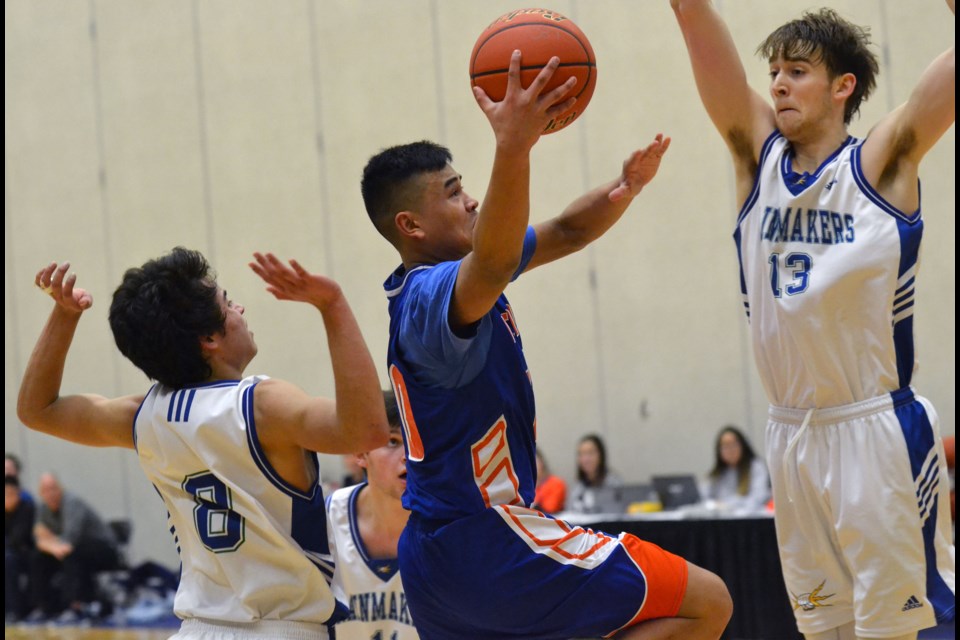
(556, 94)
(50, 278)
(278, 275)
(57, 282)
(483, 99)
(42, 279)
(513, 73)
(543, 77)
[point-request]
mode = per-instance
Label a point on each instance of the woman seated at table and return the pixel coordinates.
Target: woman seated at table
(739, 480)
(592, 474)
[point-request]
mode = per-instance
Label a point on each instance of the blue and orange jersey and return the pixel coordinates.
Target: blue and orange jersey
(466, 402)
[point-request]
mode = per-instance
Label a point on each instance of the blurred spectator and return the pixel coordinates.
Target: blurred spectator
(551, 493)
(12, 467)
(73, 540)
(18, 519)
(739, 479)
(592, 473)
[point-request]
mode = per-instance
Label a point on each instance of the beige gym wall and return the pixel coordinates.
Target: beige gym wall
(231, 126)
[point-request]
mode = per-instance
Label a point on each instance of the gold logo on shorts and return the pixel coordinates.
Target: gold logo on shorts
(812, 600)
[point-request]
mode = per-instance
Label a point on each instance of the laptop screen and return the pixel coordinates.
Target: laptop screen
(677, 490)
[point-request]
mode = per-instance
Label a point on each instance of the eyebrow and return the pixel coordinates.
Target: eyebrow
(452, 181)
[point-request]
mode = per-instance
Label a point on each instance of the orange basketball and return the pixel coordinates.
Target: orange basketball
(539, 34)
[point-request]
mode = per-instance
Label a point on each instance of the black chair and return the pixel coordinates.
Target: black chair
(114, 584)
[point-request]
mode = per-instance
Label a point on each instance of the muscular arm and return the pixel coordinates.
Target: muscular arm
(85, 419)
(894, 148)
(592, 214)
(355, 420)
(739, 113)
(517, 122)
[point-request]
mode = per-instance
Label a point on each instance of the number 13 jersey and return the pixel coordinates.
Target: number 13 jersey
(827, 272)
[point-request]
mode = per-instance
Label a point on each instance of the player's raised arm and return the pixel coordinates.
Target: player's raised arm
(85, 419)
(355, 420)
(517, 121)
(894, 148)
(740, 114)
(592, 214)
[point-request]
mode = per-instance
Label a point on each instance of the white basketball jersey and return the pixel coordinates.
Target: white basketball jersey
(370, 588)
(827, 272)
(252, 547)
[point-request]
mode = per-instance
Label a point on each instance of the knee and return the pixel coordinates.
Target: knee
(707, 599)
(719, 604)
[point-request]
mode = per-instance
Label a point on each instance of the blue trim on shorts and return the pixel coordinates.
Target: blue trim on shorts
(918, 434)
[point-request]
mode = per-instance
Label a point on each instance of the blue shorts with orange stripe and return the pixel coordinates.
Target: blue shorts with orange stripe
(511, 572)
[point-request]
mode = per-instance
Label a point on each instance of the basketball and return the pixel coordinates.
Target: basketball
(539, 34)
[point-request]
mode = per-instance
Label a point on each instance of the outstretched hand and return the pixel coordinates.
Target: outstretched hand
(51, 281)
(640, 168)
(294, 282)
(520, 118)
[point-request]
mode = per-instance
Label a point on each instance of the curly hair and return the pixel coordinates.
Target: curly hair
(842, 46)
(160, 312)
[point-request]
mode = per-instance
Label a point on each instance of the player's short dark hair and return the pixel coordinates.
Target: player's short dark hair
(161, 311)
(390, 184)
(393, 411)
(842, 46)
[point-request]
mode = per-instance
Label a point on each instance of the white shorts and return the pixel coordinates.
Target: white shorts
(862, 506)
(196, 629)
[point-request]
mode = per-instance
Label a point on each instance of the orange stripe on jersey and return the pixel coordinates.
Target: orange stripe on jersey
(569, 533)
(493, 468)
(666, 576)
(414, 443)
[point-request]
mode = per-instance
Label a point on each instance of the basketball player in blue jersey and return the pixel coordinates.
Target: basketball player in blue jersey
(364, 524)
(476, 561)
(231, 456)
(828, 236)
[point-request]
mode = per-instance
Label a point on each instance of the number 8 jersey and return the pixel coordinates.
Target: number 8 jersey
(252, 547)
(827, 271)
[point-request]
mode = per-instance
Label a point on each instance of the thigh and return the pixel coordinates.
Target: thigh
(817, 578)
(890, 519)
(512, 572)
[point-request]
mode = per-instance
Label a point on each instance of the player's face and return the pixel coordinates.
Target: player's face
(239, 347)
(802, 94)
(730, 449)
(447, 215)
(387, 466)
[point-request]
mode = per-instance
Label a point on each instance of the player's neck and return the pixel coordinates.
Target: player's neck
(381, 519)
(809, 154)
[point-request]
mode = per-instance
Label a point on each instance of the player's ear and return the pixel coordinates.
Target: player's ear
(407, 224)
(209, 344)
(361, 460)
(843, 85)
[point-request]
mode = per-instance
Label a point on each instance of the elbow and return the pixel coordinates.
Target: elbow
(376, 435)
(28, 415)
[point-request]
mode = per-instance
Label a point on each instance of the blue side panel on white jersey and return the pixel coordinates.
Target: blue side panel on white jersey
(924, 463)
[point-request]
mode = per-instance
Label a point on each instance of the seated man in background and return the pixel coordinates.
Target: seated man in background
(18, 518)
(71, 538)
